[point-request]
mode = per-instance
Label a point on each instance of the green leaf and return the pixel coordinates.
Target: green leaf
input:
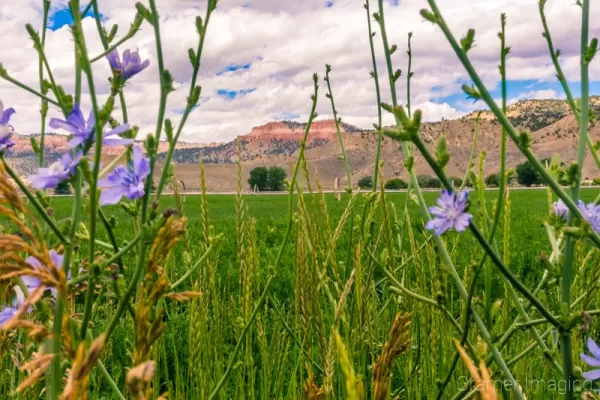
(429, 16)
(471, 92)
(466, 43)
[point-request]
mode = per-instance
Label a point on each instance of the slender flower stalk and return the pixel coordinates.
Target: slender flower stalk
(375, 77)
(567, 272)
(337, 120)
(44, 103)
(79, 38)
(194, 91)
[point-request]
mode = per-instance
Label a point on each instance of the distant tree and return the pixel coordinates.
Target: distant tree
(427, 181)
(395, 184)
(276, 178)
(63, 187)
(456, 181)
(527, 175)
(259, 178)
(492, 180)
(366, 182)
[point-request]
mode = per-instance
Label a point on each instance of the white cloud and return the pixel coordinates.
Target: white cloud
(285, 42)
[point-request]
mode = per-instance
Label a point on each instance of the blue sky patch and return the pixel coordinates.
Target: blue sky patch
(181, 111)
(515, 89)
(329, 4)
(62, 16)
(232, 94)
(233, 68)
(287, 116)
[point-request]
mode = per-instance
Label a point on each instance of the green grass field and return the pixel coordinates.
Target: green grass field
(199, 338)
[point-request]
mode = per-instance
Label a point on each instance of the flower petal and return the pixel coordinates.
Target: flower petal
(141, 165)
(591, 361)
(56, 123)
(593, 348)
(462, 222)
(5, 116)
(112, 195)
(592, 375)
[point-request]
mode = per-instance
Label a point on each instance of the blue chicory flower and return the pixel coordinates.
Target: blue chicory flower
(9, 311)
(560, 209)
(58, 171)
(593, 361)
(126, 181)
(6, 130)
(6, 314)
(84, 132)
(450, 213)
(591, 213)
(132, 63)
(33, 282)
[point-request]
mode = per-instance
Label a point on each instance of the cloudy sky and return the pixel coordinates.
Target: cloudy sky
(260, 56)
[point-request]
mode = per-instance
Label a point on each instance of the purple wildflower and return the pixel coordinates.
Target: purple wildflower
(33, 282)
(57, 172)
(6, 314)
(126, 181)
(560, 209)
(592, 361)
(132, 63)
(591, 213)
(84, 132)
(9, 311)
(450, 213)
(6, 131)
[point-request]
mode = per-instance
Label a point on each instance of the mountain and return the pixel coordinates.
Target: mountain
(553, 130)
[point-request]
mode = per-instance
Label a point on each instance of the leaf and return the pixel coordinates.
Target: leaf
(466, 43)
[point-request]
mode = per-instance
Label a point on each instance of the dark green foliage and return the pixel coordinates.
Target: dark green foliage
(366, 182)
(259, 178)
(428, 181)
(63, 187)
(492, 180)
(527, 175)
(276, 178)
(395, 184)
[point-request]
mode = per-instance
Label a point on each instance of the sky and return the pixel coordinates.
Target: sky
(260, 56)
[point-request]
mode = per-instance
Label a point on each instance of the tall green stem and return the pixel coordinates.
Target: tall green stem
(192, 101)
(87, 68)
(44, 104)
(375, 77)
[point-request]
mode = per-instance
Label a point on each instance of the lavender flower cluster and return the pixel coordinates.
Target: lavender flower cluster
(590, 212)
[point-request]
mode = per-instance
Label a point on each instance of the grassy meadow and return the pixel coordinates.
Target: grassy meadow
(289, 352)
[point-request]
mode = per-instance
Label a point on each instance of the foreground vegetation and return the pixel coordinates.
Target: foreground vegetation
(120, 291)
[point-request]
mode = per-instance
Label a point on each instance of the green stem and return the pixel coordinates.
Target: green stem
(567, 273)
(35, 203)
(79, 38)
(193, 267)
(109, 379)
(161, 110)
(124, 250)
(563, 81)
(337, 128)
(44, 105)
(112, 47)
(378, 93)
(190, 106)
(30, 90)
